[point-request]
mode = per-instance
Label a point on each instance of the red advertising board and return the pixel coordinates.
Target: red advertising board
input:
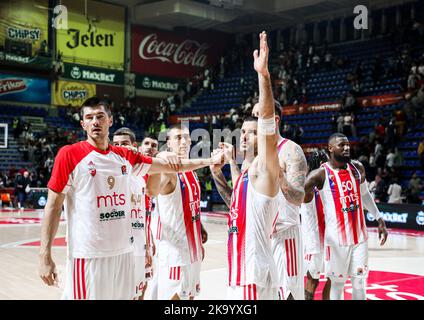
(177, 55)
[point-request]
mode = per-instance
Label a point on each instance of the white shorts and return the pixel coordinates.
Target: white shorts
(314, 264)
(287, 249)
(342, 262)
(152, 288)
(252, 292)
(181, 280)
(110, 278)
(140, 274)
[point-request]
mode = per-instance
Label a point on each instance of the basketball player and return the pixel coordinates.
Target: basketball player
(344, 193)
(125, 137)
(149, 147)
(180, 249)
(92, 179)
(287, 235)
(313, 228)
(254, 201)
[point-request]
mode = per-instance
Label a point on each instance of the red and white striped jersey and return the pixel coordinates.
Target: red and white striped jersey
(138, 215)
(97, 202)
(251, 221)
(148, 204)
(313, 224)
(342, 203)
(180, 238)
(289, 214)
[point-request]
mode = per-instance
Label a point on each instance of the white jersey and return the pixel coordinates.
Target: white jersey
(251, 221)
(97, 204)
(138, 210)
(180, 228)
(313, 224)
(289, 214)
(342, 203)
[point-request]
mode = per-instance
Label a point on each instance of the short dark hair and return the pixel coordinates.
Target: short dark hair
(150, 136)
(250, 118)
(336, 135)
(124, 131)
(178, 125)
(278, 109)
(94, 102)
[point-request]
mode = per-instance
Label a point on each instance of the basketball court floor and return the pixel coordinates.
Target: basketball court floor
(397, 269)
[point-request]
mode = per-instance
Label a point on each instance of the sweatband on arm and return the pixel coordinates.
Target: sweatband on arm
(266, 126)
(369, 202)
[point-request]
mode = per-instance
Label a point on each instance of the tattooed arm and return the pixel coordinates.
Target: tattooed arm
(222, 186)
(293, 168)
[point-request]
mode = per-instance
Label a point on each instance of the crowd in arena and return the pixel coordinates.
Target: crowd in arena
(290, 68)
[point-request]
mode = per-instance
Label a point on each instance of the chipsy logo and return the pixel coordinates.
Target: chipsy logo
(72, 94)
(187, 52)
(12, 86)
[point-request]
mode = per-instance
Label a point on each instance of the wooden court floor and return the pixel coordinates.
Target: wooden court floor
(397, 269)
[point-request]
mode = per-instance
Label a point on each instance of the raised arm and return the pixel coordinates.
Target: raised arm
(163, 166)
(293, 173)
(268, 166)
(49, 227)
(222, 186)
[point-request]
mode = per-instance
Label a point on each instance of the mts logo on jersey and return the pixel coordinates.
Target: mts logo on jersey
(349, 195)
(114, 215)
(111, 200)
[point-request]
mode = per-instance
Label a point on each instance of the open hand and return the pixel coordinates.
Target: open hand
(261, 58)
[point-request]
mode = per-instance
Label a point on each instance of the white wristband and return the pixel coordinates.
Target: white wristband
(266, 126)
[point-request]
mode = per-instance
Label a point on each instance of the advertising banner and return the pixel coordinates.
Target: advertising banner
(95, 34)
(175, 55)
(23, 30)
(372, 101)
(24, 89)
(66, 93)
(402, 216)
(148, 82)
(85, 73)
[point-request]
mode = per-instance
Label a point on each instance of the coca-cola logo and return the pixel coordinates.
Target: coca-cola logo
(12, 85)
(187, 52)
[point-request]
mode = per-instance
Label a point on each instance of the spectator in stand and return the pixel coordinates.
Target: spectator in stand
(415, 188)
(390, 159)
(374, 185)
(315, 62)
(328, 59)
(420, 152)
(22, 183)
(395, 192)
(390, 139)
(349, 124)
(398, 160)
(297, 134)
(340, 121)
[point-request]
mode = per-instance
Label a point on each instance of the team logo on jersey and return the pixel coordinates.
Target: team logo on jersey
(124, 169)
(92, 168)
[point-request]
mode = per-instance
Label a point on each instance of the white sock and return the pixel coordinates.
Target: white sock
(358, 288)
(337, 290)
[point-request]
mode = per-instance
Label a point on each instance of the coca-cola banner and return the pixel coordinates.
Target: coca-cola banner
(172, 54)
(24, 89)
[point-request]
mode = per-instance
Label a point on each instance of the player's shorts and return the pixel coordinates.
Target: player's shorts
(140, 274)
(152, 288)
(181, 280)
(314, 264)
(251, 292)
(344, 261)
(110, 278)
(287, 250)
